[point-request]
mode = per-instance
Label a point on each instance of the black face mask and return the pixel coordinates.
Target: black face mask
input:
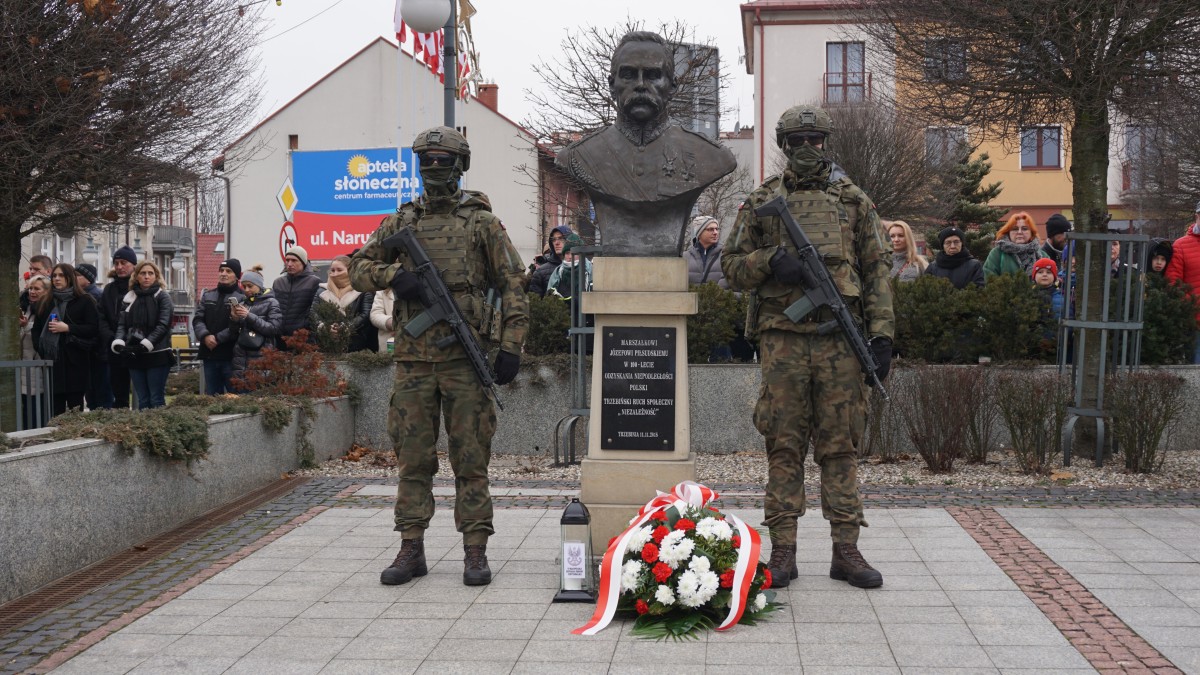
(442, 181)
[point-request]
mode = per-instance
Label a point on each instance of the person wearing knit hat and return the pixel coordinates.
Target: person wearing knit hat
(254, 277)
(1045, 281)
(85, 277)
(1161, 251)
(954, 262)
(125, 253)
(1044, 265)
(295, 291)
(299, 253)
(256, 322)
(1057, 227)
(234, 265)
(704, 255)
(213, 326)
(115, 391)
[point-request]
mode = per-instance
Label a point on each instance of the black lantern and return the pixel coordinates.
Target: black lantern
(576, 580)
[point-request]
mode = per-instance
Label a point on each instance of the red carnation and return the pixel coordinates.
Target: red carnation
(727, 578)
(660, 533)
(766, 578)
(737, 541)
(683, 524)
(610, 541)
(661, 572)
(650, 553)
(641, 606)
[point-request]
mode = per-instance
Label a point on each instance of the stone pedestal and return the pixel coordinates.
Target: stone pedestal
(619, 475)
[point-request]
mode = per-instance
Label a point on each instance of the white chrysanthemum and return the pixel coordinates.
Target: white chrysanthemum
(676, 552)
(664, 595)
(630, 572)
(673, 537)
(714, 529)
(699, 563)
(638, 539)
(760, 601)
(696, 588)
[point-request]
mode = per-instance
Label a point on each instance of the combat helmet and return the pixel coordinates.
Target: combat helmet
(799, 118)
(446, 139)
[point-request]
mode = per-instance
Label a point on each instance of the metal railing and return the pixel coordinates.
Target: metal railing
(578, 335)
(171, 238)
(32, 390)
(1114, 319)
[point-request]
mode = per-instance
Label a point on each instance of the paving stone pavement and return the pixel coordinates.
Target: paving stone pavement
(308, 599)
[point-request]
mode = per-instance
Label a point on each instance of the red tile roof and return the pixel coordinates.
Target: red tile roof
(207, 260)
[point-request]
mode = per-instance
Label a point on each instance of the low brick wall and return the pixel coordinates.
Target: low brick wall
(69, 504)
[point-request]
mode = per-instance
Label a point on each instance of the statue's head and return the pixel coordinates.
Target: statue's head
(642, 78)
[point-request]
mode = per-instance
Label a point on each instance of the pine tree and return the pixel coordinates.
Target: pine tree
(968, 205)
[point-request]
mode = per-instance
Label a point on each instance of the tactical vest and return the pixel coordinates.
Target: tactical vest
(828, 218)
(455, 245)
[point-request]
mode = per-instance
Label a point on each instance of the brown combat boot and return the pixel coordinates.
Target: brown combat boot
(409, 563)
(782, 565)
(475, 565)
(848, 565)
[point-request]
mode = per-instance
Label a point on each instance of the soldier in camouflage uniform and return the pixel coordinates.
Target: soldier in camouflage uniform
(468, 244)
(812, 386)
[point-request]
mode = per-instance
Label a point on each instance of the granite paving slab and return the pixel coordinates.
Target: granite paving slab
(968, 614)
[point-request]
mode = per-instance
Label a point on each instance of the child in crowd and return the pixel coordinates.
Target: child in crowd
(1045, 280)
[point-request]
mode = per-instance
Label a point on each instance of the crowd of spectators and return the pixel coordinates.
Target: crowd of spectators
(105, 340)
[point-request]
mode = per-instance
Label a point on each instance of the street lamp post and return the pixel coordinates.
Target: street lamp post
(426, 16)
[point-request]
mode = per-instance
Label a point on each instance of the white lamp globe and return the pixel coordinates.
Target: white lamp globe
(425, 16)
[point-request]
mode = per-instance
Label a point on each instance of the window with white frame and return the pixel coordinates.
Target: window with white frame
(1041, 147)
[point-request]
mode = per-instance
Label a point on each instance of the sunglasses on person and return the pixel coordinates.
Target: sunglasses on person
(800, 138)
(428, 160)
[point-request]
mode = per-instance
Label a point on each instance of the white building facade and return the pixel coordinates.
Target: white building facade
(350, 122)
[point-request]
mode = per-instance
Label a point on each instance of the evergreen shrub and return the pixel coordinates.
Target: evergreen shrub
(720, 318)
(549, 321)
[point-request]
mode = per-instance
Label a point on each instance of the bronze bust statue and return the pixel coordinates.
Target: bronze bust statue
(643, 174)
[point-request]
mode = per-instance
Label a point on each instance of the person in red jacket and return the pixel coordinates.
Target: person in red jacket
(1185, 265)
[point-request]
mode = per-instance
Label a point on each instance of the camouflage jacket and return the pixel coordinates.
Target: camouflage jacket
(472, 251)
(841, 222)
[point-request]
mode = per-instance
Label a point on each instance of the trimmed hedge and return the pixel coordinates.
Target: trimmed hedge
(1005, 321)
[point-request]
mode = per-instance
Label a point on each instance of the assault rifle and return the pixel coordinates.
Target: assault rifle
(440, 306)
(820, 291)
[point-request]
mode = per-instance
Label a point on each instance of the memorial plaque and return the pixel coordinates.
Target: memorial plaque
(637, 406)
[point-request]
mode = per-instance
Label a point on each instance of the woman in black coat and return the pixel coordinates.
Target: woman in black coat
(955, 262)
(65, 330)
(143, 336)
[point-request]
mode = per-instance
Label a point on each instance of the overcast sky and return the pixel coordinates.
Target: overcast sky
(305, 39)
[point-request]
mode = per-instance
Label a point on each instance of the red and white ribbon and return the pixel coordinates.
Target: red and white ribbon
(749, 549)
(683, 495)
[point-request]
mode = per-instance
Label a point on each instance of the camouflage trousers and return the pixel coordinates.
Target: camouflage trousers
(423, 393)
(812, 390)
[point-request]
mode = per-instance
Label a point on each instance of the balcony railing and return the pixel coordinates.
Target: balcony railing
(842, 88)
(168, 238)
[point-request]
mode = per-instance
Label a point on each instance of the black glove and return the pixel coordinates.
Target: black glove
(881, 348)
(506, 367)
(786, 268)
(406, 286)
